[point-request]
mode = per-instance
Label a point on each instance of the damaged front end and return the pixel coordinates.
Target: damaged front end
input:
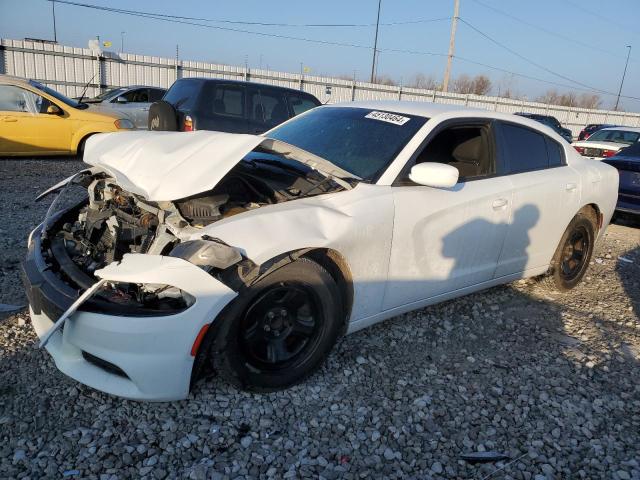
(113, 222)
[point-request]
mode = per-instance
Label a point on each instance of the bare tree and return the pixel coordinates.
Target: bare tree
(385, 80)
(478, 85)
(592, 100)
(570, 99)
(420, 80)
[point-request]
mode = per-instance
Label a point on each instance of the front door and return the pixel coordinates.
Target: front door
(448, 239)
(25, 127)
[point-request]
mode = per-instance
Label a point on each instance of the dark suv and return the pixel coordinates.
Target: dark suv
(226, 106)
(550, 121)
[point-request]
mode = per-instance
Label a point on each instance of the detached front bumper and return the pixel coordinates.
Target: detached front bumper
(137, 357)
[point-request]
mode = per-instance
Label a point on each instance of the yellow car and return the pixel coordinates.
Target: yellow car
(36, 120)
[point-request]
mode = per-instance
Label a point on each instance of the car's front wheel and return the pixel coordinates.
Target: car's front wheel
(572, 257)
(279, 330)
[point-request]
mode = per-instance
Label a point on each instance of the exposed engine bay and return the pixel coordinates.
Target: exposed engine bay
(114, 222)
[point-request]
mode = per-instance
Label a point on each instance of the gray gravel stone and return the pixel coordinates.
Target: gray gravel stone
(515, 369)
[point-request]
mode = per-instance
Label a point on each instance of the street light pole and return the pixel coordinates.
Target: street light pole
(452, 44)
(53, 10)
(623, 75)
(375, 44)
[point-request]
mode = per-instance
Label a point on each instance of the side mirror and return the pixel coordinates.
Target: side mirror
(54, 110)
(121, 100)
(439, 175)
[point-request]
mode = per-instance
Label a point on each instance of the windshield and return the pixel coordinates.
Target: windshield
(57, 95)
(361, 141)
(617, 136)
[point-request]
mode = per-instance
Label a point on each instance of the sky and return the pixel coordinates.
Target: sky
(587, 43)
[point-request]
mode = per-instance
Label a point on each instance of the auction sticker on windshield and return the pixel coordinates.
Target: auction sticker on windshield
(387, 117)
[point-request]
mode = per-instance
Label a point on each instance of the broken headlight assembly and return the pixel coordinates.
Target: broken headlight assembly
(135, 299)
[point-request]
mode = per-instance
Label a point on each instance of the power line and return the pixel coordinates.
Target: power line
(241, 22)
(170, 19)
(252, 32)
(599, 16)
(550, 32)
(528, 60)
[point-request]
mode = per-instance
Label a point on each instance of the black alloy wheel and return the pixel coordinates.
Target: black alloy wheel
(571, 259)
(279, 324)
(279, 330)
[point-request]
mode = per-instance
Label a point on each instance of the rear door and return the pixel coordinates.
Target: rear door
(222, 107)
(267, 108)
(546, 196)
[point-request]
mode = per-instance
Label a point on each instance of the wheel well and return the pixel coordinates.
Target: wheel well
(336, 265)
(593, 212)
(81, 143)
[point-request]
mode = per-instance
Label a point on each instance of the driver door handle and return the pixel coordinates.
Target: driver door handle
(9, 119)
(499, 203)
(571, 187)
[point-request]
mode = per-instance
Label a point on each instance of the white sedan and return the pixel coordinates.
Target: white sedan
(256, 253)
(607, 142)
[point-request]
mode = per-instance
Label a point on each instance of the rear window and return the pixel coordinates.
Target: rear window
(617, 136)
(182, 94)
(525, 149)
(359, 140)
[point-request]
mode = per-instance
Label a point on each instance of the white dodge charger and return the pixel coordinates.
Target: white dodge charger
(256, 253)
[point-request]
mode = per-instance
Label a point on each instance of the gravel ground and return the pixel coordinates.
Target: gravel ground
(550, 380)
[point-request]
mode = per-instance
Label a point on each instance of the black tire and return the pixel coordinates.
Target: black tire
(571, 259)
(238, 353)
(163, 117)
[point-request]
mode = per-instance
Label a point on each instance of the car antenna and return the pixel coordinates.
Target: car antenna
(85, 88)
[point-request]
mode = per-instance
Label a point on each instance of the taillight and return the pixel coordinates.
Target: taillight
(188, 124)
(609, 153)
(580, 150)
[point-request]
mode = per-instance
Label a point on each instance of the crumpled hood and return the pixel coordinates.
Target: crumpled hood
(164, 166)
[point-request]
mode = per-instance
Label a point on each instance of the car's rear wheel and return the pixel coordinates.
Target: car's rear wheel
(279, 330)
(572, 257)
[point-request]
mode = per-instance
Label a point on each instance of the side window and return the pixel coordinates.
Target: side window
(130, 95)
(229, 100)
(466, 147)
(525, 149)
(300, 104)
(141, 96)
(16, 99)
(269, 107)
(555, 152)
(155, 94)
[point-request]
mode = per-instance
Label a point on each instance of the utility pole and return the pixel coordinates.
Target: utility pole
(452, 44)
(122, 41)
(623, 75)
(53, 10)
(375, 45)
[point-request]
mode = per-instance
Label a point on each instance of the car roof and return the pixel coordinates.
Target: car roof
(624, 129)
(13, 80)
(241, 82)
(131, 87)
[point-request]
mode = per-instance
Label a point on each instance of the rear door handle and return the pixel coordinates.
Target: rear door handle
(499, 203)
(571, 187)
(9, 119)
